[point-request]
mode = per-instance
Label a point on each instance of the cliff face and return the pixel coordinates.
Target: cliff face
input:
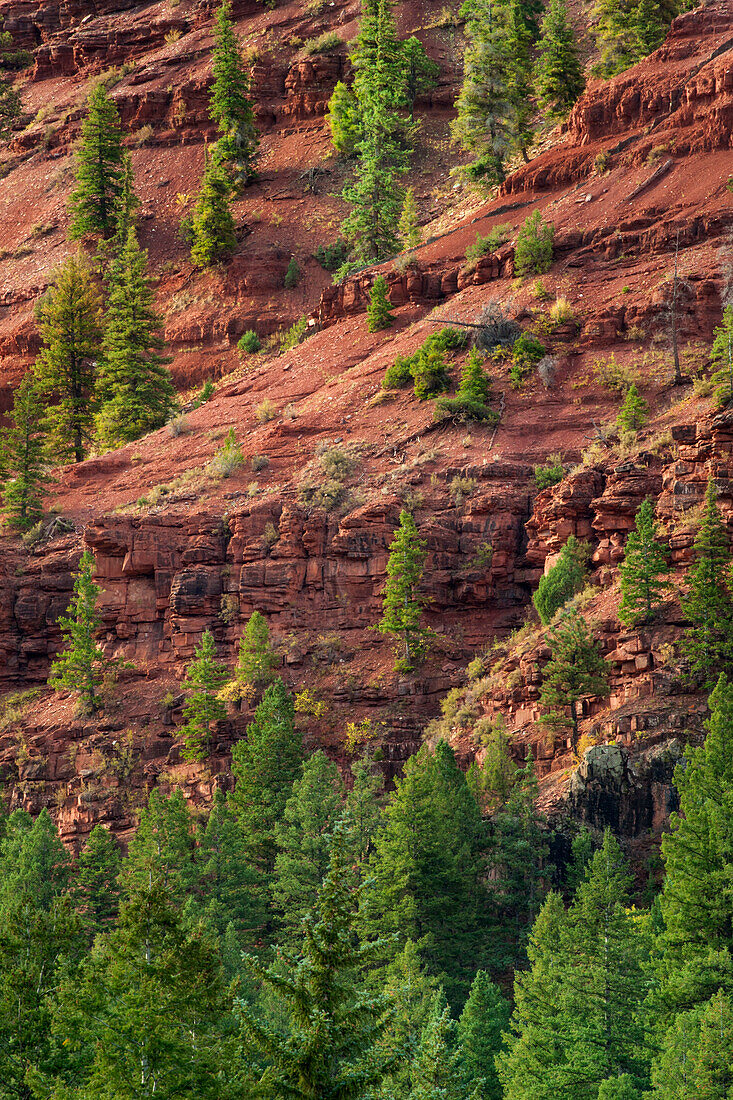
(179, 550)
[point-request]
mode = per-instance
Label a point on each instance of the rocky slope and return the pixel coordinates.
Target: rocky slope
(641, 170)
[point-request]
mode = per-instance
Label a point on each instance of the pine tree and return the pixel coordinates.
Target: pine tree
(486, 125)
(99, 169)
(98, 868)
(421, 73)
(433, 1072)
(257, 660)
(23, 458)
(427, 867)
(162, 848)
(634, 411)
(519, 43)
(401, 603)
(204, 677)
(697, 939)
(410, 995)
(329, 1047)
(230, 106)
(645, 563)
(474, 384)
(695, 1061)
(212, 227)
(304, 838)
(722, 358)
(558, 75)
(265, 766)
(78, 667)
(575, 669)
(649, 27)
(562, 581)
(578, 1010)
(379, 310)
(613, 27)
(147, 1014)
(409, 226)
(69, 317)
(33, 861)
(362, 805)
(134, 388)
(708, 641)
(479, 1031)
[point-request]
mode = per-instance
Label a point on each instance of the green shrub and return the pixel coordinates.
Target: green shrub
(550, 474)
(464, 409)
(533, 254)
(634, 411)
(564, 580)
(228, 459)
(292, 275)
(496, 237)
(249, 343)
(295, 334)
(325, 43)
(430, 374)
(205, 394)
(398, 374)
(332, 256)
(526, 354)
(405, 368)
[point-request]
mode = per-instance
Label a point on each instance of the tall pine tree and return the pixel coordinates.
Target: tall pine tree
(401, 602)
(204, 677)
(99, 169)
(78, 667)
(212, 227)
(575, 669)
(134, 389)
(646, 562)
(558, 75)
(70, 318)
(230, 106)
(708, 604)
(24, 458)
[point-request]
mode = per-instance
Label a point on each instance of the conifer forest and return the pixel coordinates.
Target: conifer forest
(366, 550)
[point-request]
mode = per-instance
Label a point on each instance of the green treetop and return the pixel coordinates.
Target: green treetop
(204, 677)
(645, 564)
(304, 838)
(333, 1021)
(562, 581)
(212, 227)
(33, 861)
(379, 310)
(409, 226)
(708, 641)
(575, 669)
(134, 388)
(420, 72)
(162, 848)
(401, 602)
(24, 458)
(344, 120)
(78, 667)
(558, 73)
(410, 993)
(99, 169)
(479, 1034)
(69, 317)
(698, 854)
(256, 661)
(98, 890)
(634, 411)
(230, 106)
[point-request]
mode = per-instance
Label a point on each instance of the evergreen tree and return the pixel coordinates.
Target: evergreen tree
(485, 125)
(97, 888)
(78, 667)
(645, 563)
(695, 1061)
(230, 106)
(134, 388)
(562, 581)
(329, 1046)
(708, 641)
(534, 251)
(558, 75)
(401, 603)
(344, 120)
(516, 853)
(99, 169)
(697, 939)
(69, 317)
(362, 805)
(147, 1014)
(420, 72)
(257, 660)
(409, 226)
(23, 458)
(722, 358)
(479, 1033)
(634, 411)
(33, 861)
(212, 227)
(265, 766)
(304, 839)
(433, 1072)
(474, 384)
(582, 849)
(613, 27)
(204, 677)
(410, 995)
(230, 903)
(162, 848)
(577, 1019)
(649, 26)
(379, 310)
(427, 868)
(575, 669)
(519, 43)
